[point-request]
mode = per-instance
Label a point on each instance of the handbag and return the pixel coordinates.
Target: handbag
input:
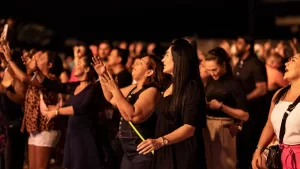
(274, 156)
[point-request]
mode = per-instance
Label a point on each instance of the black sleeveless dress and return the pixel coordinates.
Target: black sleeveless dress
(130, 140)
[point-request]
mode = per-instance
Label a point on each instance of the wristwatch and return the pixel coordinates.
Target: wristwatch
(165, 141)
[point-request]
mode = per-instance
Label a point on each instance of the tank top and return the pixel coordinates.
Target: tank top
(292, 129)
(146, 128)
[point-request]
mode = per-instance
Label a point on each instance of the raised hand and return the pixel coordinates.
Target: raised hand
(107, 80)
(98, 65)
(6, 52)
(31, 63)
(28, 62)
(76, 51)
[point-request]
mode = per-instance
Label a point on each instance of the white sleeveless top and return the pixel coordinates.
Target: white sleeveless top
(292, 128)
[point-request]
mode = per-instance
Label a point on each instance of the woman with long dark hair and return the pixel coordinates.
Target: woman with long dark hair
(181, 113)
(43, 136)
(227, 107)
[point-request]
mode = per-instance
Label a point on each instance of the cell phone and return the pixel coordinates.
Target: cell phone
(4, 33)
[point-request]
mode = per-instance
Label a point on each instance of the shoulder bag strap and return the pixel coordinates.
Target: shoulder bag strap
(286, 114)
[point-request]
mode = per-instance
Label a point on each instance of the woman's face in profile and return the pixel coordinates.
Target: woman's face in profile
(168, 62)
(292, 68)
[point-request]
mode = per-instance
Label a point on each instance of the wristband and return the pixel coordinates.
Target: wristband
(259, 148)
(57, 112)
(9, 61)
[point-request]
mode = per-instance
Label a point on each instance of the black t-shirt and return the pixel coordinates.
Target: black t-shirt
(186, 154)
(227, 90)
(249, 72)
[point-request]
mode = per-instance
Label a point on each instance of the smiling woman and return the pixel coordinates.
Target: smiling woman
(227, 107)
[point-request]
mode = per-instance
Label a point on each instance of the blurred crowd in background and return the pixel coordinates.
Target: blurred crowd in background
(31, 38)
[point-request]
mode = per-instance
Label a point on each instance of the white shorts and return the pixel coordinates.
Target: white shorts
(45, 138)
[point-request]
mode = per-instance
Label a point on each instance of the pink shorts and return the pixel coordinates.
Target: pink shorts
(290, 156)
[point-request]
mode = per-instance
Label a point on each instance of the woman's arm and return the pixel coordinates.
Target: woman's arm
(84, 107)
(267, 133)
(107, 94)
(240, 110)
(19, 95)
(180, 134)
(22, 76)
(30, 63)
(110, 97)
(191, 119)
(77, 109)
(233, 112)
(266, 137)
(143, 107)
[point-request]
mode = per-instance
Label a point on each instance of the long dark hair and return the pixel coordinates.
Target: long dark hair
(186, 78)
(88, 55)
(221, 56)
(55, 60)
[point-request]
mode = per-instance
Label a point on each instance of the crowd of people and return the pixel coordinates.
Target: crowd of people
(143, 106)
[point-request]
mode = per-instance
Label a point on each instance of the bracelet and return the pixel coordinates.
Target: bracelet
(259, 148)
(165, 141)
(9, 61)
(57, 112)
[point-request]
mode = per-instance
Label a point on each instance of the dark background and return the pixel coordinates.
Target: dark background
(155, 20)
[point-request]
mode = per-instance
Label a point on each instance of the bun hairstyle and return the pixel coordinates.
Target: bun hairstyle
(221, 56)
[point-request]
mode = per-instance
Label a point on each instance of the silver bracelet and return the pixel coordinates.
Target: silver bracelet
(260, 148)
